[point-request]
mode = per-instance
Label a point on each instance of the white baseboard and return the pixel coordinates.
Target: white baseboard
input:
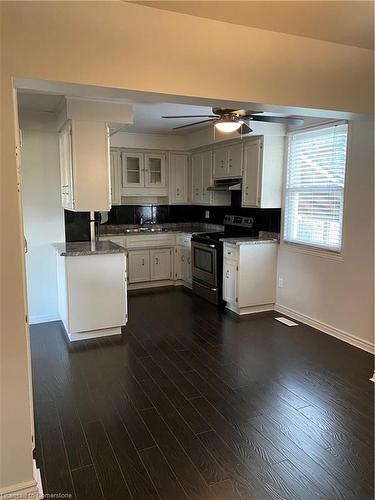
(323, 327)
(250, 309)
(34, 320)
(93, 334)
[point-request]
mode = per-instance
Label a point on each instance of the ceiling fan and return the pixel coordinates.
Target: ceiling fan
(230, 120)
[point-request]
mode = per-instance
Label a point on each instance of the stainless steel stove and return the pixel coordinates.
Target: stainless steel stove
(207, 256)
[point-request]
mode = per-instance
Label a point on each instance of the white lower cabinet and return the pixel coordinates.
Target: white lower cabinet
(153, 258)
(230, 281)
(139, 266)
(161, 264)
(249, 277)
(182, 262)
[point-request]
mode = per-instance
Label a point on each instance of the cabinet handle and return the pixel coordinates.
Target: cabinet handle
(229, 253)
(177, 191)
(143, 262)
(247, 190)
(156, 261)
(227, 274)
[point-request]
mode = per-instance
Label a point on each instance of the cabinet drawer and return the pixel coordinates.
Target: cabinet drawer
(150, 241)
(230, 252)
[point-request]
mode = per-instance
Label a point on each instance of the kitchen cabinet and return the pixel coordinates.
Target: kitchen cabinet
(143, 174)
(161, 260)
(115, 177)
(202, 178)
(155, 170)
(230, 281)
(178, 178)
(182, 264)
(263, 170)
(249, 277)
(228, 161)
(85, 166)
(139, 266)
(66, 166)
(132, 170)
(92, 294)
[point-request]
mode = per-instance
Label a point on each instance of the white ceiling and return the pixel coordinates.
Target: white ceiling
(341, 21)
(147, 115)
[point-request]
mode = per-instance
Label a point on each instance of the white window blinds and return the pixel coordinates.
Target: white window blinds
(314, 202)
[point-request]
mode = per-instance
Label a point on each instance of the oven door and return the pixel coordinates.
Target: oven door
(204, 263)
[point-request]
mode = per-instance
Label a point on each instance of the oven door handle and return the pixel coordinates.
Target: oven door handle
(205, 286)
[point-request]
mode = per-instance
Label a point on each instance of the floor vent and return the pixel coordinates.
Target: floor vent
(286, 321)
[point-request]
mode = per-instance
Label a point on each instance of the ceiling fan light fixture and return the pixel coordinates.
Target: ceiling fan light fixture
(228, 125)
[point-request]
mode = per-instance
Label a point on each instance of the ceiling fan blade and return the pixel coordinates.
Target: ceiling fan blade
(191, 116)
(246, 112)
(192, 124)
(277, 119)
(244, 129)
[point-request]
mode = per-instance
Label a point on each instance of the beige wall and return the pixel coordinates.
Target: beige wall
(133, 47)
(339, 293)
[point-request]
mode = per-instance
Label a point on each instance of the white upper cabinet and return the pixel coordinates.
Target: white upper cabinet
(201, 164)
(228, 161)
(115, 177)
(133, 172)
(263, 171)
(155, 170)
(143, 174)
(84, 165)
(178, 178)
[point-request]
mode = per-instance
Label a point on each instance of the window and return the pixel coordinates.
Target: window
(314, 202)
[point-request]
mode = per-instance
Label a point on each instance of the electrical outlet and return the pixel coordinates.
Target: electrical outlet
(281, 282)
(206, 214)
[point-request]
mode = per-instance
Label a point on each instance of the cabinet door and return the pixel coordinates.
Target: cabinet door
(66, 166)
(115, 177)
(178, 178)
(139, 266)
(161, 260)
(206, 177)
(230, 281)
(132, 169)
(235, 160)
(220, 163)
(188, 263)
(178, 263)
(252, 174)
(155, 170)
(197, 181)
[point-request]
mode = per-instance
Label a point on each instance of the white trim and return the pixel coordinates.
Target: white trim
(316, 126)
(311, 250)
(330, 330)
(93, 334)
(249, 309)
(38, 479)
(44, 318)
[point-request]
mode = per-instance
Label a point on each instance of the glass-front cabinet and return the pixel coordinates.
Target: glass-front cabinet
(132, 165)
(155, 170)
(143, 174)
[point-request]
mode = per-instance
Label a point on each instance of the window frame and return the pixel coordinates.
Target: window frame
(306, 248)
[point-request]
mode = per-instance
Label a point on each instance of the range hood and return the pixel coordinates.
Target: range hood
(226, 185)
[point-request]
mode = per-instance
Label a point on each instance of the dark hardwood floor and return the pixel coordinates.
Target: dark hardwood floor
(192, 402)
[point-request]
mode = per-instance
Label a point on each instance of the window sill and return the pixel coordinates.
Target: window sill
(315, 251)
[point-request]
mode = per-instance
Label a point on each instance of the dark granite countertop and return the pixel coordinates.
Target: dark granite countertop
(183, 227)
(79, 248)
(263, 237)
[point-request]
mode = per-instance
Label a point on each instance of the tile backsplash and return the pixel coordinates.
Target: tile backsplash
(266, 219)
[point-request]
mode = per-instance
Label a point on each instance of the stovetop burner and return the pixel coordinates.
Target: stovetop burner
(234, 227)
